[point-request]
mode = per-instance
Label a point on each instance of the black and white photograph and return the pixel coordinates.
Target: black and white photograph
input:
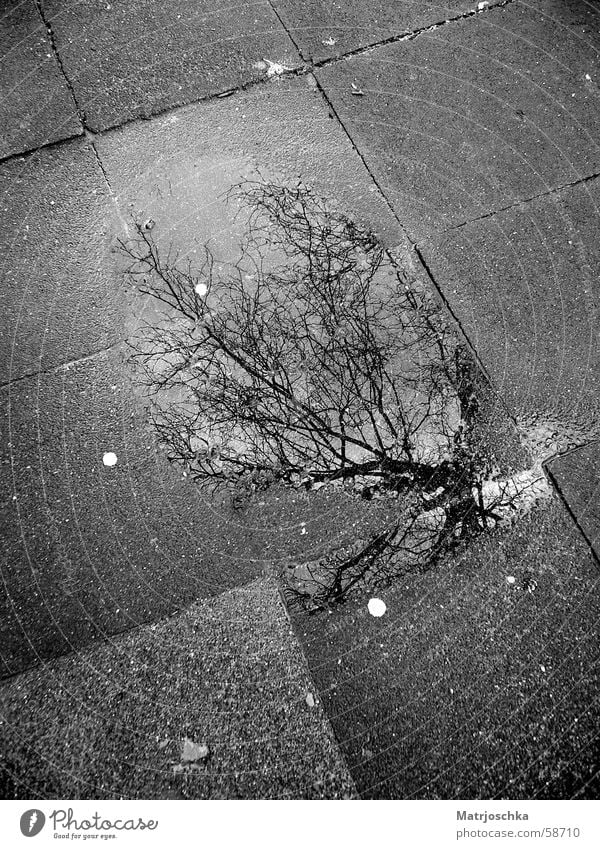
(300, 402)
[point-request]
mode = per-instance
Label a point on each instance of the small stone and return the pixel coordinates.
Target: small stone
(310, 700)
(149, 224)
(201, 289)
(510, 579)
(109, 458)
(193, 752)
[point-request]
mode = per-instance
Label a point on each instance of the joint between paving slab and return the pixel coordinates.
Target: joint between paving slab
(308, 673)
(411, 35)
(451, 312)
(304, 70)
(103, 637)
(518, 203)
(567, 506)
(334, 112)
(62, 366)
(59, 62)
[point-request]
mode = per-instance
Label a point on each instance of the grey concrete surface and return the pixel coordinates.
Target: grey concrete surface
(228, 674)
(470, 686)
(482, 133)
(323, 30)
(577, 474)
(126, 60)
(524, 285)
(91, 550)
(61, 299)
(478, 114)
(37, 106)
(77, 568)
(177, 168)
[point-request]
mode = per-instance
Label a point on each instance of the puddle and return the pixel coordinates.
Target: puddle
(309, 371)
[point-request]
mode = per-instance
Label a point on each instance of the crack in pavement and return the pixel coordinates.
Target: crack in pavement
(62, 366)
(409, 35)
(522, 202)
(553, 480)
(59, 62)
(304, 70)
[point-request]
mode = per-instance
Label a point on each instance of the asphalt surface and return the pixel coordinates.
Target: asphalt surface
(227, 675)
(325, 30)
(61, 297)
(37, 106)
(467, 129)
(128, 60)
(481, 680)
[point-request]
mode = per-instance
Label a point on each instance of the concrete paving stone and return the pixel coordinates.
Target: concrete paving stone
(91, 550)
(324, 30)
(111, 722)
(126, 60)
(36, 106)
(523, 284)
(577, 475)
(100, 562)
(472, 686)
(60, 297)
(478, 114)
(176, 169)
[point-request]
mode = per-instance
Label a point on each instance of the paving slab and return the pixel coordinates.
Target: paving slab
(90, 549)
(227, 675)
(93, 550)
(477, 114)
(176, 169)
(37, 106)
(61, 299)
(577, 475)
(524, 286)
(324, 30)
(481, 679)
(127, 60)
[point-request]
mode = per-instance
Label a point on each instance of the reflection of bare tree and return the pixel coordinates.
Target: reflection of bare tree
(310, 363)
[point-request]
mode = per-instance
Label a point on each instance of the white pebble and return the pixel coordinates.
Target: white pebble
(109, 459)
(201, 289)
(376, 607)
(510, 580)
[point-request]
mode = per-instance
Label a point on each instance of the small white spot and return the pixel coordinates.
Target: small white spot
(542, 667)
(510, 580)
(201, 289)
(587, 76)
(310, 700)
(109, 459)
(275, 69)
(329, 41)
(376, 607)
(481, 6)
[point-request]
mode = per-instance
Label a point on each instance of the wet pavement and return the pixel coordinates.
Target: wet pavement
(463, 132)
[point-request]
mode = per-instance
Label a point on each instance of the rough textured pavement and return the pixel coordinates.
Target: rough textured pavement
(227, 675)
(467, 134)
